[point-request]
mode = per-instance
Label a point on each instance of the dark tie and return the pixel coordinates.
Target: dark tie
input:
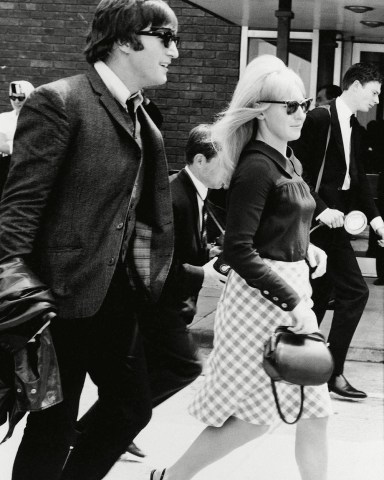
(131, 110)
(352, 168)
(204, 216)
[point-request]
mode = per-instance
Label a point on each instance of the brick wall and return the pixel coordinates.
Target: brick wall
(201, 81)
(42, 40)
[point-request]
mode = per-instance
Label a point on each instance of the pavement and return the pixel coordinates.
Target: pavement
(356, 430)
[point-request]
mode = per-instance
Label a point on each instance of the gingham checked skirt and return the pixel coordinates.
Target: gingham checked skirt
(235, 384)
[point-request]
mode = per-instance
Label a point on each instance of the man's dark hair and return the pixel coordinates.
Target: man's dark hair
(363, 72)
(199, 141)
(119, 20)
(331, 91)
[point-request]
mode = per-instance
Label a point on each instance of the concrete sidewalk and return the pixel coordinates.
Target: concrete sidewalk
(356, 439)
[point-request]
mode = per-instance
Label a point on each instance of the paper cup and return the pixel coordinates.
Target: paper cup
(355, 222)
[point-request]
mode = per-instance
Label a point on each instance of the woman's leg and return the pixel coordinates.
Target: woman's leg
(211, 445)
(312, 448)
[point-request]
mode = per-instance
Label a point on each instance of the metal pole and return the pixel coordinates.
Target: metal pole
(284, 15)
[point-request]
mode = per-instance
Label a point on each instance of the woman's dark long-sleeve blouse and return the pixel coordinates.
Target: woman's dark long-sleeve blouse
(270, 209)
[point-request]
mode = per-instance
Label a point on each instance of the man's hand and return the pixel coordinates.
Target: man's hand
(212, 278)
(215, 251)
(380, 233)
(317, 259)
(332, 218)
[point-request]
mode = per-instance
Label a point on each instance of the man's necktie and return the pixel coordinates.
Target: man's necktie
(204, 216)
(132, 113)
(352, 166)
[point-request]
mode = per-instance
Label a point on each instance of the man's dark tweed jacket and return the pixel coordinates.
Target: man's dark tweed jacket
(67, 198)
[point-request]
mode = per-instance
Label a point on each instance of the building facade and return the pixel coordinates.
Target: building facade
(42, 40)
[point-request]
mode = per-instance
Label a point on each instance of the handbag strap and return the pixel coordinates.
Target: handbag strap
(279, 408)
(320, 176)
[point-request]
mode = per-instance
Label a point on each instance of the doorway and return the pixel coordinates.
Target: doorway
(303, 52)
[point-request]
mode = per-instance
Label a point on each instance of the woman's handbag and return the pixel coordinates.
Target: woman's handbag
(297, 359)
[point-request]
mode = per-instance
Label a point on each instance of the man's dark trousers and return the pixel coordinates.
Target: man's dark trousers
(172, 355)
(351, 292)
(109, 347)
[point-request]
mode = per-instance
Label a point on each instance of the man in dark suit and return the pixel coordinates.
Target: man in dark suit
(343, 187)
(87, 206)
(380, 250)
(172, 356)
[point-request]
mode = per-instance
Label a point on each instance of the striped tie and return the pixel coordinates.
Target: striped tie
(204, 216)
(131, 110)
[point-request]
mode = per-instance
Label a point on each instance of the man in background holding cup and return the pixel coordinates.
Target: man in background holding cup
(330, 149)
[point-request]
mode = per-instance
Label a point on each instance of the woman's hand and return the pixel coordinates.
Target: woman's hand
(317, 259)
(304, 319)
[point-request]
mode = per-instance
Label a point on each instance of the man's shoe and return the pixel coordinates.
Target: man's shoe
(340, 385)
(133, 449)
(379, 281)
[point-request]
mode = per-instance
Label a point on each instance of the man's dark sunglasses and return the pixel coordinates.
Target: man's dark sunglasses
(292, 105)
(21, 98)
(166, 36)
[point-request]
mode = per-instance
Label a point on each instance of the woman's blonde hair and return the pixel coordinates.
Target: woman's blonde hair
(265, 78)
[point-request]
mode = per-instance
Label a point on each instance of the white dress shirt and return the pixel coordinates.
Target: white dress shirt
(120, 92)
(344, 113)
(117, 88)
(8, 121)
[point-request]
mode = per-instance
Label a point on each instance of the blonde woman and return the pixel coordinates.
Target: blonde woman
(267, 245)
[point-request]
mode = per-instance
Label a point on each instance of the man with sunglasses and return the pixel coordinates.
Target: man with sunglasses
(330, 149)
(19, 90)
(87, 207)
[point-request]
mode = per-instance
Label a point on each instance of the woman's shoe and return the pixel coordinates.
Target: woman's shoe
(152, 477)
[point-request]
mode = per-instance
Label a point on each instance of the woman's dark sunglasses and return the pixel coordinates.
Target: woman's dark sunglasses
(166, 36)
(292, 105)
(21, 98)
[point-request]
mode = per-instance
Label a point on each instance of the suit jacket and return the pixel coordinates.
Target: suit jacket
(186, 277)
(67, 198)
(310, 148)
